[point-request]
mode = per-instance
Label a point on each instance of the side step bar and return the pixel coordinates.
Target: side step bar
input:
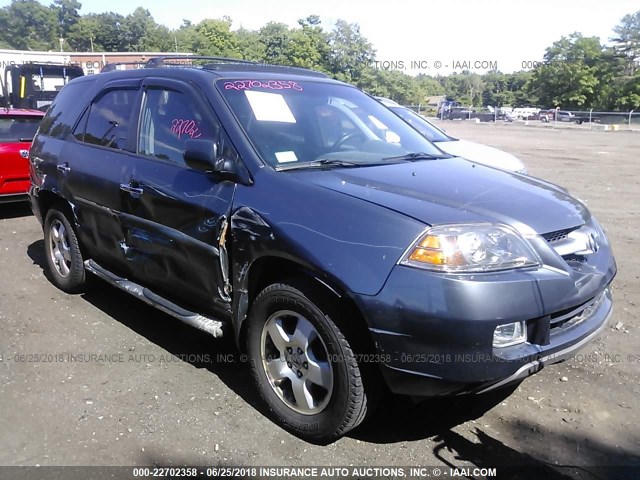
(206, 324)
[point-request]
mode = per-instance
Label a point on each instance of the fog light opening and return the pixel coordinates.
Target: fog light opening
(509, 334)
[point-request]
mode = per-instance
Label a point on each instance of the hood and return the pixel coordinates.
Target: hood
(455, 190)
(477, 152)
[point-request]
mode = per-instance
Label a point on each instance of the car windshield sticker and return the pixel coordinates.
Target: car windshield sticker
(269, 107)
(270, 84)
(180, 127)
(285, 157)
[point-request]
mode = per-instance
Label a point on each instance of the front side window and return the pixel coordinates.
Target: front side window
(295, 122)
(108, 120)
(169, 118)
(18, 128)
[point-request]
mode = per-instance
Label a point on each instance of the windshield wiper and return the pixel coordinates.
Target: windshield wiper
(415, 156)
(322, 163)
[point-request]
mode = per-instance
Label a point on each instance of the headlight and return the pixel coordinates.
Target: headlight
(470, 248)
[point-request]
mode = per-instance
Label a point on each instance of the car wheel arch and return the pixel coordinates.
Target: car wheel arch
(47, 199)
(268, 270)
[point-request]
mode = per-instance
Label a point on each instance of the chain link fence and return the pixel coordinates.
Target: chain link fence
(586, 119)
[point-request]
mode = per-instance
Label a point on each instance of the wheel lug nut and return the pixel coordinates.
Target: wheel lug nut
(299, 350)
(289, 349)
(299, 374)
(305, 365)
(289, 364)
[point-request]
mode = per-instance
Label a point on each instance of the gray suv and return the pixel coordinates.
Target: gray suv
(344, 252)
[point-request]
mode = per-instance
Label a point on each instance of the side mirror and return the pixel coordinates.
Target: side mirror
(200, 154)
(203, 155)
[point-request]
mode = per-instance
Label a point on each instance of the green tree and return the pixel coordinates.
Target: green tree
(219, 39)
(105, 30)
(188, 39)
(68, 16)
(28, 25)
(572, 75)
(82, 35)
(316, 41)
(627, 41)
(624, 87)
(276, 42)
(351, 53)
(249, 45)
(466, 87)
(144, 34)
(496, 90)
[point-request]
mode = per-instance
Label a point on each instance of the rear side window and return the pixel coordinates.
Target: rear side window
(18, 128)
(66, 108)
(109, 119)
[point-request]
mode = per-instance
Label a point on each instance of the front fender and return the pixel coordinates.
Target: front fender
(347, 242)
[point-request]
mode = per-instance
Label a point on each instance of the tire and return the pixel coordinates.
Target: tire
(65, 265)
(290, 328)
(544, 119)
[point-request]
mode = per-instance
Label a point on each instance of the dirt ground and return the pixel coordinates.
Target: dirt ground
(164, 393)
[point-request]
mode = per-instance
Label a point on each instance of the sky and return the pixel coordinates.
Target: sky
(509, 34)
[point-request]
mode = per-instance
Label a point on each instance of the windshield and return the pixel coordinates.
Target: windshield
(18, 128)
(295, 122)
(423, 126)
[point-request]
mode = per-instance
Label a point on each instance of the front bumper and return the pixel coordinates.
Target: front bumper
(434, 332)
(13, 197)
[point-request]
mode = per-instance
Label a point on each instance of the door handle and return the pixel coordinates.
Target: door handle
(64, 168)
(131, 189)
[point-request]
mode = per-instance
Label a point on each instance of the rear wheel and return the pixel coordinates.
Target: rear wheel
(304, 368)
(64, 259)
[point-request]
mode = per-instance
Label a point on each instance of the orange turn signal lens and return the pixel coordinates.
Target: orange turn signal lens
(434, 257)
(430, 241)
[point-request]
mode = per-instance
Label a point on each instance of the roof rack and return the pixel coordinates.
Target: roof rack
(265, 67)
(162, 61)
(228, 64)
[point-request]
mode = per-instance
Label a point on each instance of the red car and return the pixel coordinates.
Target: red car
(17, 129)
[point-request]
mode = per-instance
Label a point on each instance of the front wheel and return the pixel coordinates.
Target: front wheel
(303, 366)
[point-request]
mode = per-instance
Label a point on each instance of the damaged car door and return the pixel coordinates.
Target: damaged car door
(176, 217)
(98, 159)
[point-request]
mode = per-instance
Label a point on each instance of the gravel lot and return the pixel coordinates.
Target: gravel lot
(164, 393)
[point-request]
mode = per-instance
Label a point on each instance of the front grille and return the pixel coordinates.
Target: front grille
(558, 234)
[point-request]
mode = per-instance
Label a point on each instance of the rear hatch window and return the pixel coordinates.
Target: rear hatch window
(18, 128)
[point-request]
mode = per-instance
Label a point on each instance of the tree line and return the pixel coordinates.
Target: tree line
(576, 72)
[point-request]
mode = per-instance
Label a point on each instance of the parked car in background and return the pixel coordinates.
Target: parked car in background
(272, 205)
(17, 129)
(525, 113)
(487, 114)
(475, 152)
(547, 116)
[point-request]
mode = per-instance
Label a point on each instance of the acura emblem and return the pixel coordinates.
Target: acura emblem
(592, 244)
